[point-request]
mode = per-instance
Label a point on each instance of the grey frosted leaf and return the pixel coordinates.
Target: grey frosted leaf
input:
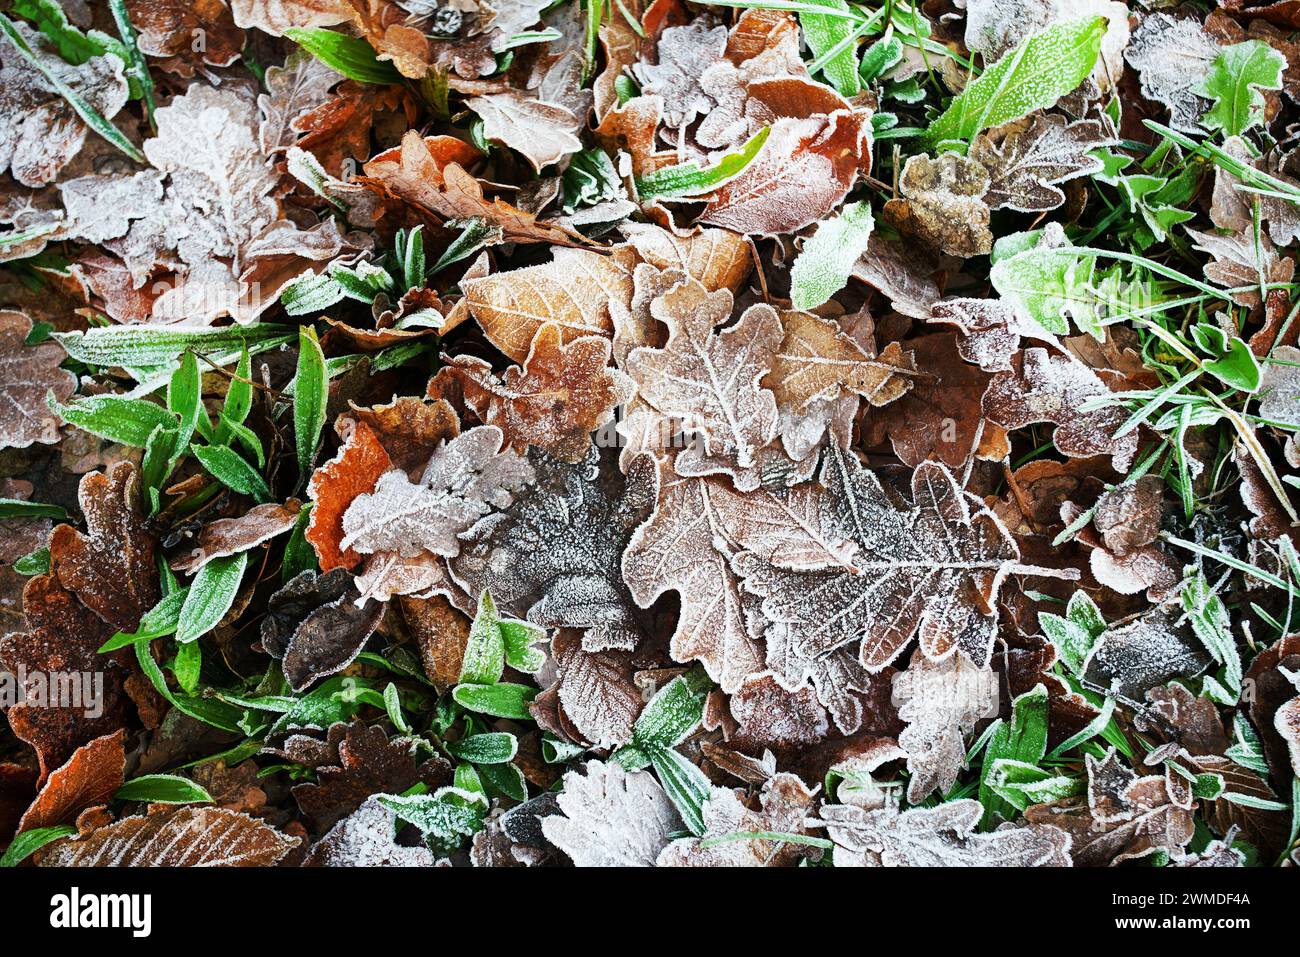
(177, 837)
(941, 701)
(942, 836)
(683, 55)
(711, 380)
(329, 639)
(931, 568)
(611, 817)
(1134, 658)
(553, 557)
(1279, 390)
(1026, 162)
(1243, 260)
(101, 207)
(1172, 58)
(367, 838)
(464, 480)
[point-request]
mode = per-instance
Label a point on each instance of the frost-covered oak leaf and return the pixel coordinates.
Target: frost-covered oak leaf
(563, 392)
(941, 701)
(462, 482)
(27, 375)
(553, 557)
(931, 569)
(711, 381)
(1026, 161)
(818, 360)
(941, 836)
(611, 817)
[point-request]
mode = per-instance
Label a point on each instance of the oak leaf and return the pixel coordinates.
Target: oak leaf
(168, 30)
(553, 557)
(1026, 161)
(711, 380)
(784, 805)
(561, 394)
(818, 360)
(335, 485)
(27, 375)
(611, 817)
(932, 568)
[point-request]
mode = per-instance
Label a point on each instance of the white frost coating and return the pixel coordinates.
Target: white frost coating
(612, 817)
(366, 838)
(941, 701)
(1173, 58)
(993, 27)
(942, 836)
(464, 479)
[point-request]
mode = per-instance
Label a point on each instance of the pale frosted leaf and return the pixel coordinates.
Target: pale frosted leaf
(683, 55)
(784, 804)
(543, 132)
(367, 838)
(932, 568)
(302, 84)
(941, 701)
(988, 330)
(944, 204)
(824, 264)
(596, 690)
(464, 479)
(1027, 162)
(27, 373)
(711, 380)
(817, 360)
(1173, 57)
(611, 817)
(1131, 659)
(276, 16)
(40, 133)
(942, 836)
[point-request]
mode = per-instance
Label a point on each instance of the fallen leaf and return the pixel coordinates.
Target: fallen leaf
(333, 488)
(1028, 160)
(29, 374)
(91, 777)
(176, 837)
(611, 817)
(230, 536)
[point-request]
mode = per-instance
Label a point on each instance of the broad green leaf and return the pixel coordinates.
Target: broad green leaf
(1236, 76)
(140, 346)
(73, 45)
(446, 818)
(1074, 635)
(29, 842)
(1021, 784)
(1037, 73)
(1023, 739)
(824, 264)
(352, 56)
(34, 563)
(504, 779)
(823, 34)
(163, 789)
(504, 700)
(210, 596)
(187, 666)
(230, 468)
(127, 421)
(20, 508)
(1050, 286)
(1237, 367)
(690, 179)
(673, 713)
(493, 747)
(311, 390)
(484, 660)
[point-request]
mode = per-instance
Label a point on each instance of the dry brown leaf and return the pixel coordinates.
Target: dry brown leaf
(230, 536)
(818, 360)
(187, 34)
(334, 486)
(91, 777)
(176, 837)
(944, 204)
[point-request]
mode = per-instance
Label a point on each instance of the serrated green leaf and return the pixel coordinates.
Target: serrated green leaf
(1038, 72)
(1233, 82)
